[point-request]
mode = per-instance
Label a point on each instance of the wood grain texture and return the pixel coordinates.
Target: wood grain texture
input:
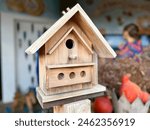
(60, 41)
(76, 33)
(96, 89)
(63, 89)
(64, 98)
(100, 45)
(95, 69)
(82, 52)
(70, 76)
(69, 65)
(42, 69)
(83, 21)
(51, 31)
(83, 106)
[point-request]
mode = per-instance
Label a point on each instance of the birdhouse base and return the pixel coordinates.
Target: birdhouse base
(59, 99)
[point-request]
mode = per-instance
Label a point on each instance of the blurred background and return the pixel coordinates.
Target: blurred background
(23, 21)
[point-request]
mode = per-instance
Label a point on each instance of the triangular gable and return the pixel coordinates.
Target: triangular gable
(72, 29)
(101, 46)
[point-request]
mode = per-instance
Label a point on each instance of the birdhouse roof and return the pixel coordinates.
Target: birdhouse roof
(99, 43)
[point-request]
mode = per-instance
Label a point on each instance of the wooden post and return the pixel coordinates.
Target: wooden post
(83, 106)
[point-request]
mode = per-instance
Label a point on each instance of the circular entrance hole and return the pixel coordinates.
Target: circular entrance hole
(72, 75)
(60, 76)
(82, 73)
(69, 43)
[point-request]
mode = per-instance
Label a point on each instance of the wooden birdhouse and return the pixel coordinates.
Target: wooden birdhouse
(68, 53)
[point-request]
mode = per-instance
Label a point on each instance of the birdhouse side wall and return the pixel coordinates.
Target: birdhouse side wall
(42, 68)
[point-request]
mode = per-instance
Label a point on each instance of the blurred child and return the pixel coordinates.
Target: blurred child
(133, 45)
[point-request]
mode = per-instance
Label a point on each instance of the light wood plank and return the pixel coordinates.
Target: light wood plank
(63, 89)
(101, 46)
(72, 29)
(83, 42)
(95, 89)
(83, 106)
(84, 56)
(72, 53)
(69, 65)
(58, 35)
(60, 41)
(82, 34)
(42, 69)
(69, 76)
(51, 31)
(95, 69)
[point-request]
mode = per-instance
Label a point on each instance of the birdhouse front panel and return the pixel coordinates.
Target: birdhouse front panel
(68, 76)
(70, 50)
(69, 62)
(68, 46)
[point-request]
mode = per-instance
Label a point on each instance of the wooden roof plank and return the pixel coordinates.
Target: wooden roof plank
(83, 42)
(97, 47)
(60, 41)
(51, 31)
(102, 48)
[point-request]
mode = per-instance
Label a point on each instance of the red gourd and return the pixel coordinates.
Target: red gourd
(103, 105)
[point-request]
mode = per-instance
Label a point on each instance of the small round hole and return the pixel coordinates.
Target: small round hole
(69, 43)
(72, 75)
(82, 73)
(60, 76)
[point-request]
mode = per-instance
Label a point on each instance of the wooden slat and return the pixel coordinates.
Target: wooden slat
(57, 57)
(73, 53)
(51, 31)
(54, 57)
(54, 81)
(83, 106)
(72, 29)
(60, 41)
(100, 44)
(63, 98)
(96, 89)
(81, 32)
(64, 89)
(69, 65)
(42, 69)
(83, 42)
(95, 69)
